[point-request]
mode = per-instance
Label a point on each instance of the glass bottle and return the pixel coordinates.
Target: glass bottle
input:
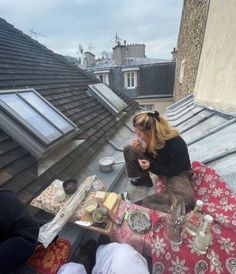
(203, 238)
(194, 219)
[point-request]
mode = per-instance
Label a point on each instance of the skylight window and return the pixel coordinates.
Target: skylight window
(107, 97)
(26, 114)
(48, 111)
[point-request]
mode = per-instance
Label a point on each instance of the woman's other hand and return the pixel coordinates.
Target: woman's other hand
(145, 164)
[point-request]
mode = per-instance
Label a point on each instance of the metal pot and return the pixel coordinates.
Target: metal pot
(106, 164)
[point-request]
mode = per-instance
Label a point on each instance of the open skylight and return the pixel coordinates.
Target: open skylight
(107, 97)
(26, 114)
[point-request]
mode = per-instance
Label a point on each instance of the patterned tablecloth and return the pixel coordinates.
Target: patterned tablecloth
(48, 202)
(124, 234)
(219, 202)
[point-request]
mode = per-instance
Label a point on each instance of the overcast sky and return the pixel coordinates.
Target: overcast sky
(93, 23)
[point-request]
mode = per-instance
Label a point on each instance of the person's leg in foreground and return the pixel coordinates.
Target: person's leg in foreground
(113, 258)
(116, 258)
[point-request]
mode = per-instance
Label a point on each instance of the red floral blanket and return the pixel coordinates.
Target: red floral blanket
(220, 202)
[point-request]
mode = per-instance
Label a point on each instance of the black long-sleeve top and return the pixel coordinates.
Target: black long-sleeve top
(171, 160)
(18, 232)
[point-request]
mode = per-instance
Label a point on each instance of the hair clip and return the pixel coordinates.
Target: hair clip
(155, 114)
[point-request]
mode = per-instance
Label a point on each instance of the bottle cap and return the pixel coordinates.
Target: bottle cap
(199, 203)
(208, 218)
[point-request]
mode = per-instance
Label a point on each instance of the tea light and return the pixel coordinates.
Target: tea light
(60, 195)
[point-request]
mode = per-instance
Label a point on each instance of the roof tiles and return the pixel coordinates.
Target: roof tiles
(24, 63)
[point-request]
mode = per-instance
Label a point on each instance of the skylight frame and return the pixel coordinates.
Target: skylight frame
(22, 129)
(96, 91)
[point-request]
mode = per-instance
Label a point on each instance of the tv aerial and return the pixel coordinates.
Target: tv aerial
(81, 49)
(36, 34)
(118, 40)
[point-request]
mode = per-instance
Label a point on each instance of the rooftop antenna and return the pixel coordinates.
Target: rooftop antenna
(81, 49)
(80, 54)
(118, 40)
(36, 34)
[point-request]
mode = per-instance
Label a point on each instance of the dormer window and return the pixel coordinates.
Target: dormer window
(130, 77)
(32, 121)
(103, 76)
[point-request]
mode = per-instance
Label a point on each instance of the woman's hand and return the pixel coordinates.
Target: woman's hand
(137, 144)
(145, 164)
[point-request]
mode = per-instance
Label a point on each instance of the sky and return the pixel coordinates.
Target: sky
(64, 24)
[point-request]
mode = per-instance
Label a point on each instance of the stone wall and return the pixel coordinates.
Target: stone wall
(190, 39)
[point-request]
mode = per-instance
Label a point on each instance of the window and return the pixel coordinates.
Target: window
(148, 107)
(130, 78)
(26, 114)
(103, 76)
(181, 73)
(107, 97)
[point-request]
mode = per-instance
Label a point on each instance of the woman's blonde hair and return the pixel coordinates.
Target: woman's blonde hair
(157, 128)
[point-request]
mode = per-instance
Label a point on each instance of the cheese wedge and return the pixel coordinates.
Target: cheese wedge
(111, 200)
(100, 196)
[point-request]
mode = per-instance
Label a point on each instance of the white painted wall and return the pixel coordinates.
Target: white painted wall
(158, 104)
(216, 78)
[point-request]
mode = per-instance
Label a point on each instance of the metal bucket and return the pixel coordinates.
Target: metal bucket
(106, 164)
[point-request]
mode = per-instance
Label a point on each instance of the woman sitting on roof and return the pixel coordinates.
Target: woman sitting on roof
(159, 148)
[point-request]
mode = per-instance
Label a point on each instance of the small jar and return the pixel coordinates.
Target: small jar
(58, 184)
(60, 195)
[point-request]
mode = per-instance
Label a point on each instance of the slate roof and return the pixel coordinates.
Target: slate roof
(129, 62)
(26, 63)
(157, 80)
(210, 135)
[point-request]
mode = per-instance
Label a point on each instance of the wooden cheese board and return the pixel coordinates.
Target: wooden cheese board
(88, 217)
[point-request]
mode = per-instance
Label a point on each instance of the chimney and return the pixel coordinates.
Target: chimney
(136, 50)
(89, 59)
(174, 54)
(119, 53)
